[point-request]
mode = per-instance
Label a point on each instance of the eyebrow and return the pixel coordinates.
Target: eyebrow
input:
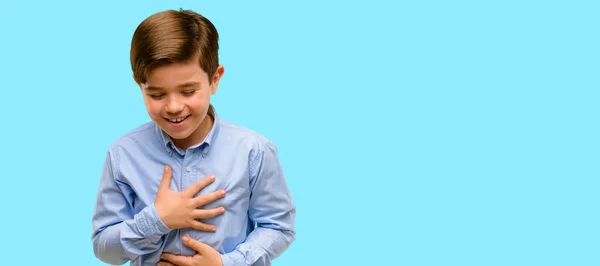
(181, 86)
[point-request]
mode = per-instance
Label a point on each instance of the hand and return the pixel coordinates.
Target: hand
(180, 209)
(205, 256)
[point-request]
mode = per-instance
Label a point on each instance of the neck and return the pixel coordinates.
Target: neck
(198, 135)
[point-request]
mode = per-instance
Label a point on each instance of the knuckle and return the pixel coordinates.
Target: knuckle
(217, 194)
(200, 186)
(199, 225)
(201, 201)
(209, 214)
(203, 227)
(210, 197)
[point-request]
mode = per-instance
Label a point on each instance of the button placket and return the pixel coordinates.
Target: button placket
(188, 167)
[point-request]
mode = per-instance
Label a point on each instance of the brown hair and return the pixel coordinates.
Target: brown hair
(172, 37)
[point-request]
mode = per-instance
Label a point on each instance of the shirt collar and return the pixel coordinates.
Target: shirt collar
(208, 140)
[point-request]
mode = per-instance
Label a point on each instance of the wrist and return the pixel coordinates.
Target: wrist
(161, 221)
(150, 225)
(232, 258)
(160, 214)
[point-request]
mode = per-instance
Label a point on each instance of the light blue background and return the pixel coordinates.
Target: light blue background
(429, 133)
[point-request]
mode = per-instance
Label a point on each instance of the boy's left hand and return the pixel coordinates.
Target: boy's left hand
(205, 255)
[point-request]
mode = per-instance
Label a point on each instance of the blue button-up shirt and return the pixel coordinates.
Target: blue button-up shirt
(257, 226)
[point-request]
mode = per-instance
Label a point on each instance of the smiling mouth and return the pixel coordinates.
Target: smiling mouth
(177, 120)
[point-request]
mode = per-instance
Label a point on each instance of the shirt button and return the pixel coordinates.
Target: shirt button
(189, 169)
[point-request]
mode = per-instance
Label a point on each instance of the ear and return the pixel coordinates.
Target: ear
(216, 78)
(136, 81)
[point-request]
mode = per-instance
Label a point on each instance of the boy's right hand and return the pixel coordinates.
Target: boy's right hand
(180, 209)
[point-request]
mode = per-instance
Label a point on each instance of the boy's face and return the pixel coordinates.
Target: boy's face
(177, 98)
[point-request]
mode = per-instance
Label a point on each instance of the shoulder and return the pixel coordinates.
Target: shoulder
(232, 132)
(260, 152)
(134, 139)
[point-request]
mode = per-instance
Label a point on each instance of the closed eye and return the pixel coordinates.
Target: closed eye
(156, 96)
(188, 93)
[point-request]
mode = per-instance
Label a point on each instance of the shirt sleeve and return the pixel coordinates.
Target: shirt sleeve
(271, 208)
(119, 235)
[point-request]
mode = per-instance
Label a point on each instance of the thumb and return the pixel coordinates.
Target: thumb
(198, 246)
(165, 184)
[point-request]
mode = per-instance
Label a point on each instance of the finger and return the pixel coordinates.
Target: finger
(196, 187)
(198, 246)
(166, 179)
(177, 260)
(203, 214)
(202, 226)
(208, 198)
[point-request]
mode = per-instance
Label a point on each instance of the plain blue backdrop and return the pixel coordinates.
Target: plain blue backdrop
(410, 132)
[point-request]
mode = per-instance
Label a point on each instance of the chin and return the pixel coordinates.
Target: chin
(179, 135)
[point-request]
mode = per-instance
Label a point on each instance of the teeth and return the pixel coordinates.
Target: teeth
(177, 120)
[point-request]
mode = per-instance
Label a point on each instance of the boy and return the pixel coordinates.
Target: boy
(218, 179)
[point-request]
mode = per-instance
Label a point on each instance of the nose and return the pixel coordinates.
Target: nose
(174, 105)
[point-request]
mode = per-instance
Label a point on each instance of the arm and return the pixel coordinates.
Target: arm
(271, 208)
(119, 235)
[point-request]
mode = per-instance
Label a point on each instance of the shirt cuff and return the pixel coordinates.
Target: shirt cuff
(234, 258)
(150, 225)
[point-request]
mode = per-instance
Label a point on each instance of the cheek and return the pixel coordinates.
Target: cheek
(195, 104)
(153, 107)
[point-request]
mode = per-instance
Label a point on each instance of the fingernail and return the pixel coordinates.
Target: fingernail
(186, 238)
(222, 209)
(212, 178)
(222, 192)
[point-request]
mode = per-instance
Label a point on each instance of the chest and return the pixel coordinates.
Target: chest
(230, 172)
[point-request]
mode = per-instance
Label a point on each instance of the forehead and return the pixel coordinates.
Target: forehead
(173, 75)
